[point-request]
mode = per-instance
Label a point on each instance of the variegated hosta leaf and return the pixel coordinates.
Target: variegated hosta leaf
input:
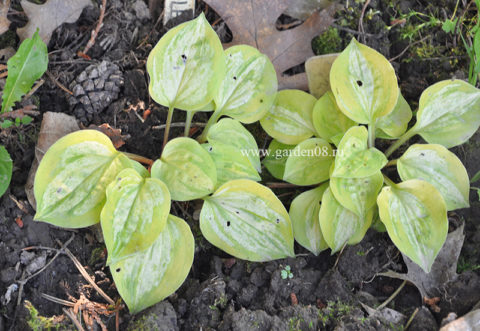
(354, 159)
(395, 124)
(358, 195)
(134, 214)
(231, 163)
(276, 157)
(140, 169)
(246, 220)
(415, 216)
(187, 169)
(339, 225)
(441, 168)
(448, 113)
(248, 90)
(231, 132)
(304, 216)
(186, 66)
(364, 83)
(289, 120)
(73, 176)
(309, 162)
(149, 276)
(328, 120)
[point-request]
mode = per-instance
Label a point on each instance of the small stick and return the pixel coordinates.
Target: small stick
(360, 20)
(339, 254)
(53, 79)
(57, 300)
(71, 315)
(87, 276)
(394, 294)
(410, 320)
(95, 32)
(177, 125)
(34, 88)
(281, 185)
(20, 112)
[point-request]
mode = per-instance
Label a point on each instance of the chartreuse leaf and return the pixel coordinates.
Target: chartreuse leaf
(186, 168)
(328, 120)
(304, 216)
(354, 159)
(246, 220)
(231, 132)
(448, 113)
(134, 214)
(248, 90)
(395, 124)
(339, 225)
(231, 163)
(309, 162)
(358, 195)
(140, 169)
(415, 216)
(289, 120)
(151, 275)
(6, 166)
(276, 157)
(27, 65)
(73, 176)
(441, 168)
(186, 66)
(364, 83)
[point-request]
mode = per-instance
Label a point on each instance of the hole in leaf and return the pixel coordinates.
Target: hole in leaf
(278, 220)
(359, 83)
(118, 270)
(59, 190)
(422, 154)
(228, 223)
(236, 211)
(210, 149)
(234, 77)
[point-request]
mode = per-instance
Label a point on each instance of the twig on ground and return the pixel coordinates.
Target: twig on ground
(60, 85)
(338, 257)
(406, 49)
(145, 40)
(95, 32)
(87, 276)
(360, 21)
(73, 318)
(394, 294)
(177, 125)
(28, 110)
(34, 88)
(410, 320)
(280, 185)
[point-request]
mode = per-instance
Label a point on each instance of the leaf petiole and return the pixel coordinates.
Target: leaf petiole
(388, 181)
(188, 123)
(371, 134)
(167, 127)
(211, 121)
(403, 139)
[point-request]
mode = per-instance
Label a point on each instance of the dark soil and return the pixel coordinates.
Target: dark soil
(220, 292)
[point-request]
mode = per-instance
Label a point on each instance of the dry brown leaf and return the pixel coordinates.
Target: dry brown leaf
(115, 135)
(318, 73)
(302, 9)
(253, 23)
(54, 126)
(4, 22)
(469, 322)
(49, 16)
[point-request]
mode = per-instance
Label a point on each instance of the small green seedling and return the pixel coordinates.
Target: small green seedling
(286, 273)
(27, 65)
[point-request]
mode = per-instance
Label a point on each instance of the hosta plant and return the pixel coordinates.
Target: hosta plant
(83, 180)
(330, 142)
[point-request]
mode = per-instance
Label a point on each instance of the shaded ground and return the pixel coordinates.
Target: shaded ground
(222, 293)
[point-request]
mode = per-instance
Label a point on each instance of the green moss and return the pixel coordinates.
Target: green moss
(96, 255)
(328, 42)
(37, 322)
(8, 39)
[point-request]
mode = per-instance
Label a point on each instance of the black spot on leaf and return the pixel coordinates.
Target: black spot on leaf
(118, 270)
(359, 83)
(228, 223)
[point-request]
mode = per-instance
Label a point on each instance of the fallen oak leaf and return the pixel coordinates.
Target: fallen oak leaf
(49, 16)
(253, 23)
(114, 134)
(4, 21)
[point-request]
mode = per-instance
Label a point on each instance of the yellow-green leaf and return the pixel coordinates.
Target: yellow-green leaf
(149, 276)
(317, 69)
(441, 168)
(248, 90)
(246, 220)
(364, 83)
(6, 167)
(328, 120)
(231, 132)
(358, 195)
(309, 162)
(395, 124)
(289, 120)
(231, 163)
(135, 212)
(186, 66)
(448, 113)
(276, 157)
(339, 225)
(187, 169)
(304, 216)
(354, 159)
(73, 176)
(415, 216)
